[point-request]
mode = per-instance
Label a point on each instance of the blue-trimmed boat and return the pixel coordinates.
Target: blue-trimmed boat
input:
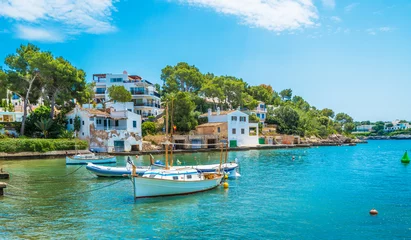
(89, 158)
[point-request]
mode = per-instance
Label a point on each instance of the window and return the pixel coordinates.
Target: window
(233, 118)
(218, 129)
(82, 133)
(116, 79)
(234, 131)
(175, 178)
(71, 121)
(116, 123)
(82, 122)
(189, 176)
(243, 119)
(100, 90)
(99, 121)
(242, 131)
(262, 116)
(134, 124)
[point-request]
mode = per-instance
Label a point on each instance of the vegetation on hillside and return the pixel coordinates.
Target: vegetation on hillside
(196, 92)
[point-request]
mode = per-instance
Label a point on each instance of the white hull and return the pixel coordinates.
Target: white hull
(152, 187)
(100, 160)
(102, 171)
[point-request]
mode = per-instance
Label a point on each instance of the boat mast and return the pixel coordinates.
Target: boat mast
(226, 152)
(167, 136)
(221, 157)
(172, 130)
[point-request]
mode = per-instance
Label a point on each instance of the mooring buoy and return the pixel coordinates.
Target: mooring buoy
(373, 212)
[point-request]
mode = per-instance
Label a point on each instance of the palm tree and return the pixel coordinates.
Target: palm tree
(44, 125)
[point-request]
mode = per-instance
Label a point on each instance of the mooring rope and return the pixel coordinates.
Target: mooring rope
(48, 177)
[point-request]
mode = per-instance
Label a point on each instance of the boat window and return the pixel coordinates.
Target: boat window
(175, 178)
(189, 176)
(152, 176)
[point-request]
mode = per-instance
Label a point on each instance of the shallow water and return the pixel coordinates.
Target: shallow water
(325, 193)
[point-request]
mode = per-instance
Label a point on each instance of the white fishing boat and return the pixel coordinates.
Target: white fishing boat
(103, 171)
(170, 181)
(89, 158)
(157, 183)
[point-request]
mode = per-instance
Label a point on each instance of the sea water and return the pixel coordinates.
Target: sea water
(323, 193)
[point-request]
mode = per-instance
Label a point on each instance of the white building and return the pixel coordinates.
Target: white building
(116, 130)
(146, 100)
(260, 111)
(364, 128)
(396, 125)
(240, 132)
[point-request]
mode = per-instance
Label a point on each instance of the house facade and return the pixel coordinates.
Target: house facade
(237, 128)
(146, 100)
(396, 125)
(116, 130)
(364, 128)
(260, 111)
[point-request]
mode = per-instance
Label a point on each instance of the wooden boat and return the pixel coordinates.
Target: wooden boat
(157, 183)
(103, 171)
(89, 158)
(170, 181)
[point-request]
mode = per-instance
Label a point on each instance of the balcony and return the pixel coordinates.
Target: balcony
(147, 105)
(145, 93)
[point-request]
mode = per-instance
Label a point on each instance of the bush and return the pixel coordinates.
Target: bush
(12, 145)
(148, 128)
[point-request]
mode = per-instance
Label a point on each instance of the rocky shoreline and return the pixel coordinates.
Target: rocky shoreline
(396, 137)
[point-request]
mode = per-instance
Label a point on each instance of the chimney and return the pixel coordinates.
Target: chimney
(218, 110)
(209, 112)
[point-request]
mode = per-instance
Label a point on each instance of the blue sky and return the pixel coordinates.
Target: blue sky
(351, 56)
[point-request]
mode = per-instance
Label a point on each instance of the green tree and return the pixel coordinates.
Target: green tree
(328, 113)
(41, 114)
(182, 77)
(77, 124)
(286, 94)
(349, 127)
(62, 82)
(379, 128)
(148, 128)
(343, 118)
(287, 120)
(184, 116)
(44, 125)
(262, 93)
(25, 68)
(119, 94)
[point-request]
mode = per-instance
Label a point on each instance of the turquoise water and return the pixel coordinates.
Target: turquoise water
(325, 193)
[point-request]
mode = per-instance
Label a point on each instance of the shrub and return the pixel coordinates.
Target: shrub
(12, 145)
(148, 128)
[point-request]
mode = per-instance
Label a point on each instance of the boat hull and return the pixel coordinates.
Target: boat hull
(75, 161)
(101, 171)
(151, 187)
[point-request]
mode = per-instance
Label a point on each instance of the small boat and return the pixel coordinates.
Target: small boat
(172, 181)
(89, 158)
(405, 158)
(159, 183)
(103, 171)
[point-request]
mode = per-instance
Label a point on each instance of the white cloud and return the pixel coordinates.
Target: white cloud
(274, 15)
(38, 34)
(371, 31)
(329, 3)
(385, 29)
(336, 19)
(374, 31)
(350, 7)
(71, 16)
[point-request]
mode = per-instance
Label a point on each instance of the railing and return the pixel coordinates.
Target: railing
(111, 128)
(145, 93)
(147, 105)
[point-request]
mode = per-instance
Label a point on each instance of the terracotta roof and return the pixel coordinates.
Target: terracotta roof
(213, 124)
(215, 113)
(91, 111)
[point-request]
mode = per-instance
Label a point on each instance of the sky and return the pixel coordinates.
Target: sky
(347, 55)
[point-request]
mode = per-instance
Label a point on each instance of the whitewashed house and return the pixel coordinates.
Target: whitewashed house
(396, 125)
(260, 111)
(116, 130)
(240, 132)
(146, 100)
